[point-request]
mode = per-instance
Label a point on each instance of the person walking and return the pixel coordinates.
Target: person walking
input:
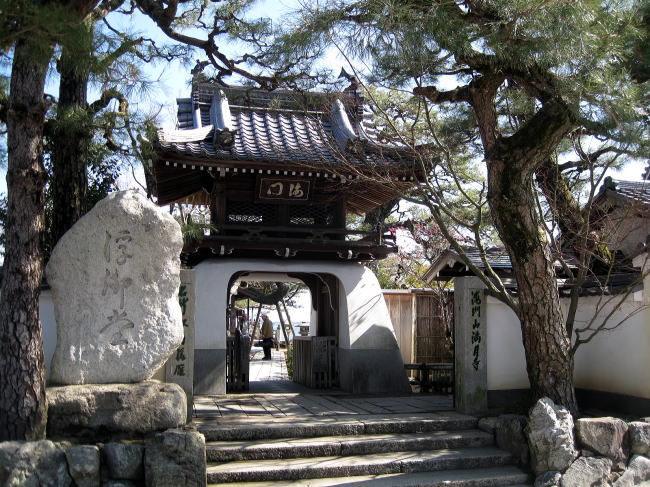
(267, 336)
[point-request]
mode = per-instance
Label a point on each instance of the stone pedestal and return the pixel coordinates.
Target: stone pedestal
(97, 411)
(470, 343)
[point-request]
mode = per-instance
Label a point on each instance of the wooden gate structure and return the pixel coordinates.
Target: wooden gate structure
(424, 327)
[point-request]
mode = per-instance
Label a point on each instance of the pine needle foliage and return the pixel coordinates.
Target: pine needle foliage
(547, 95)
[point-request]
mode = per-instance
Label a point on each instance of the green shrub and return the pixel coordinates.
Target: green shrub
(289, 360)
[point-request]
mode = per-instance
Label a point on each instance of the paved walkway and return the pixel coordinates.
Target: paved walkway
(273, 395)
(270, 376)
(313, 404)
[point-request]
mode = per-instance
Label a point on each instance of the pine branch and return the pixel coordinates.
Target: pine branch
(106, 97)
(534, 143)
(432, 94)
(105, 7)
(164, 17)
(536, 82)
(126, 46)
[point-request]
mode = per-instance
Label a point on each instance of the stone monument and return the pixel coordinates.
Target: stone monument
(115, 281)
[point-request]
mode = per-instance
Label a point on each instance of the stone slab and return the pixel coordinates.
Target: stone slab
(480, 477)
(470, 343)
(380, 463)
(344, 445)
(131, 410)
(179, 369)
(250, 428)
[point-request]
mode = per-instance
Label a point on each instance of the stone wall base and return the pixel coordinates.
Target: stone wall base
(612, 402)
(209, 371)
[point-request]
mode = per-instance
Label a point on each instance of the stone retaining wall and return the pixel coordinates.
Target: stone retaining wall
(175, 457)
(110, 435)
(593, 452)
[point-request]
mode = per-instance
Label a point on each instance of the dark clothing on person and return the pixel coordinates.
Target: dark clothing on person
(267, 337)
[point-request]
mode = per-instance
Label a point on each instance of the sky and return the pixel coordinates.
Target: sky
(172, 81)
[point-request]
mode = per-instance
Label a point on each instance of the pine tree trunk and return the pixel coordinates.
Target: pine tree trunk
(23, 409)
(547, 345)
(70, 148)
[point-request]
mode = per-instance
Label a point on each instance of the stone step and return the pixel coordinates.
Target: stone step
(345, 466)
(226, 451)
(249, 428)
(480, 477)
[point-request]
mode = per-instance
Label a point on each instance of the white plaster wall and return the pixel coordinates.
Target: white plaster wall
(506, 361)
(364, 319)
(616, 361)
(48, 322)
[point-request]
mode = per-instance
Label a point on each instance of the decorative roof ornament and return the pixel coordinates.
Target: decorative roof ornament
(220, 118)
(196, 113)
(354, 81)
(341, 127)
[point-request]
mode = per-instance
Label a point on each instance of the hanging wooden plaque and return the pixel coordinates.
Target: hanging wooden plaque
(283, 189)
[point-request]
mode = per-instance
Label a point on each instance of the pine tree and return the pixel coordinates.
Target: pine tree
(29, 32)
(529, 82)
(22, 390)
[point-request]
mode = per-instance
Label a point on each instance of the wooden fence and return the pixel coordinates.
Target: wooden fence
(423, 324)
(315, 362)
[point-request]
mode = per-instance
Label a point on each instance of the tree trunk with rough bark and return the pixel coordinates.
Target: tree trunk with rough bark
(512, 162)
(549, 361)
(70, 139)
(23, 409)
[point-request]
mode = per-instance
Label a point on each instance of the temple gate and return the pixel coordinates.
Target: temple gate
(280, 172)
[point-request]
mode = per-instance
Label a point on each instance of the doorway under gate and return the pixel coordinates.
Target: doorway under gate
(305, 354)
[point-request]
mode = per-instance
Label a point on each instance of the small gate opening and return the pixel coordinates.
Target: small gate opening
(303, 312)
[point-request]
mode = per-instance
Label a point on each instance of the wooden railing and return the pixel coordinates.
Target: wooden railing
(237, 362)
(433, 377)
(315, 362)
(301, 234)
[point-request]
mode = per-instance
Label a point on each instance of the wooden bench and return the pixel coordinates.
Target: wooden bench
(436, 377)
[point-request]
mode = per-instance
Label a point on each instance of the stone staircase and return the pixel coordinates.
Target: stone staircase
(423, 449)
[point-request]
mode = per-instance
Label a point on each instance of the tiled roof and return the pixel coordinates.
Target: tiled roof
(277, 129)
(451, 264)
(497, 258)
(263, 136)
(634, 191)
